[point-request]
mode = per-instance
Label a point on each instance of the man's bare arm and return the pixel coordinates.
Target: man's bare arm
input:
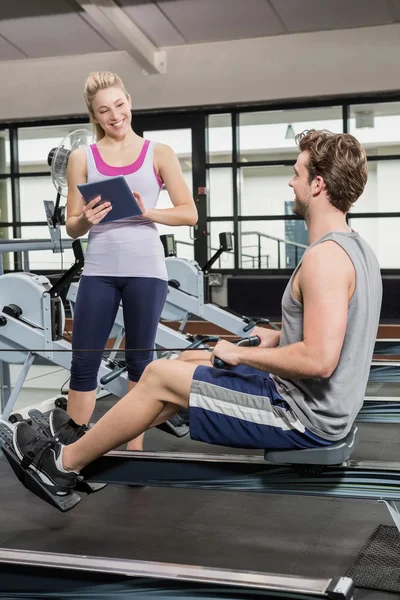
(269, 337)
(326, 282)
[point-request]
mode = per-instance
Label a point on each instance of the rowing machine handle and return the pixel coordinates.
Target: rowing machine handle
(112, 375)
(201, 340)
(253, 340)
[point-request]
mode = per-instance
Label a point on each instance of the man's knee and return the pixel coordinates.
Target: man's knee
(169, 379)
(185, 356)
(157, 372)
(195, 356)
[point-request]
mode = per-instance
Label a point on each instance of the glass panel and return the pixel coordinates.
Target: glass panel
(377, 127)
(33, 190)
(5, 201)
(35, 143)
(264, 190)
(180, 141)
(44, 260)
(382, 234)
(270, 135)
(183, 234)
(220, 185)
(227, 259)
(272, 244)
(219, 138)
(380, 193)
(8, 258)
(5, 164)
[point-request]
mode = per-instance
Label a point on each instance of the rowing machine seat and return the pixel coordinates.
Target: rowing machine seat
(335, 454)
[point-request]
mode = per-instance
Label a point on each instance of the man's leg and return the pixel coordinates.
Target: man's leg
(196, 357)
(164, 384)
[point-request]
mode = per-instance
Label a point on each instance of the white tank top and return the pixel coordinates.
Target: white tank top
(129, 247)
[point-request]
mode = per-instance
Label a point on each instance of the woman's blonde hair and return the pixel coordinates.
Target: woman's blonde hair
(100, 80)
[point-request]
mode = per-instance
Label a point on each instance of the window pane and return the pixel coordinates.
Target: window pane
(180, 141)
(183, 234)
(184, 247)
(8, 258)
(377, 127)
(35, 143)
(220, 185)
(272, 244)
(4, 152)
(47, 260)
(219, 138)
(264, 190)
(380, 193)
(382, 234)
(270, 135)
(227, 259)
(5, 201)
(33, 190)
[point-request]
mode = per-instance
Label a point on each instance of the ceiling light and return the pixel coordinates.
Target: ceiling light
(290, 134)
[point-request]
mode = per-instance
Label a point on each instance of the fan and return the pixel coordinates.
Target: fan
(58, 161)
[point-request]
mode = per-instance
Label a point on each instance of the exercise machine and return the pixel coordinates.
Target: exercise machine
(326, 472)
(32, 321)
(92, 577)
(187, 292)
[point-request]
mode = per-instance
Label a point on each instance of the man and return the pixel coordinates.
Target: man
(302, 387)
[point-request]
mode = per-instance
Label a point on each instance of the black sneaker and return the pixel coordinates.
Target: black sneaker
(63, 428)
(39, 454)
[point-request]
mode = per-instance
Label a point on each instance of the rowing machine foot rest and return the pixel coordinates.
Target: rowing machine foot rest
(89, 488)
(40, 419)
(335, 454)
(29, 479)
(178, 425)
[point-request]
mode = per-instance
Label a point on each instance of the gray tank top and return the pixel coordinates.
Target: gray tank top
(129, 247)
(328, 407)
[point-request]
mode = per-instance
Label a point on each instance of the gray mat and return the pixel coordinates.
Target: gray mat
(377, 567)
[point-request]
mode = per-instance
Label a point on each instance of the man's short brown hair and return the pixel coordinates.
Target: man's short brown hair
(340, 160)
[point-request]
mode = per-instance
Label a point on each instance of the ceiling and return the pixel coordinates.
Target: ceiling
(50, 28)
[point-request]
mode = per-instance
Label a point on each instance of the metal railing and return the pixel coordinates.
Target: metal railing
(258, 259)
(253, 258)
(26, 246)
(278, 240)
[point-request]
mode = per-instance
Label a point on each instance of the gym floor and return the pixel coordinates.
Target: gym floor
(314, 537)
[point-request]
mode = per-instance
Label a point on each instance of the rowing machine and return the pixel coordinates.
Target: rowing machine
(23, 571)
(326, 472)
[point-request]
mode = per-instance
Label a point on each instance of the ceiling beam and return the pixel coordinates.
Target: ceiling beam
(123, 34)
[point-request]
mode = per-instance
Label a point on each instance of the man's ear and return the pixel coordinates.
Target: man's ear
(318, 185)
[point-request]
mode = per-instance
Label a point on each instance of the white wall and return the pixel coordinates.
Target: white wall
(290, 66)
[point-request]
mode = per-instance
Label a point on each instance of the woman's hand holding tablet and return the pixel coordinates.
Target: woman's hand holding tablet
(114, 192)
(95, 210)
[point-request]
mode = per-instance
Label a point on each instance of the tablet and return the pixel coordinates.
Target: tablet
(116, 191)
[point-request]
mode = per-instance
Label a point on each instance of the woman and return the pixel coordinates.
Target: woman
(124, 259)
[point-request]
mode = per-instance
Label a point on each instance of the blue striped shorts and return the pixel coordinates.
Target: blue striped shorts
(241, 407)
